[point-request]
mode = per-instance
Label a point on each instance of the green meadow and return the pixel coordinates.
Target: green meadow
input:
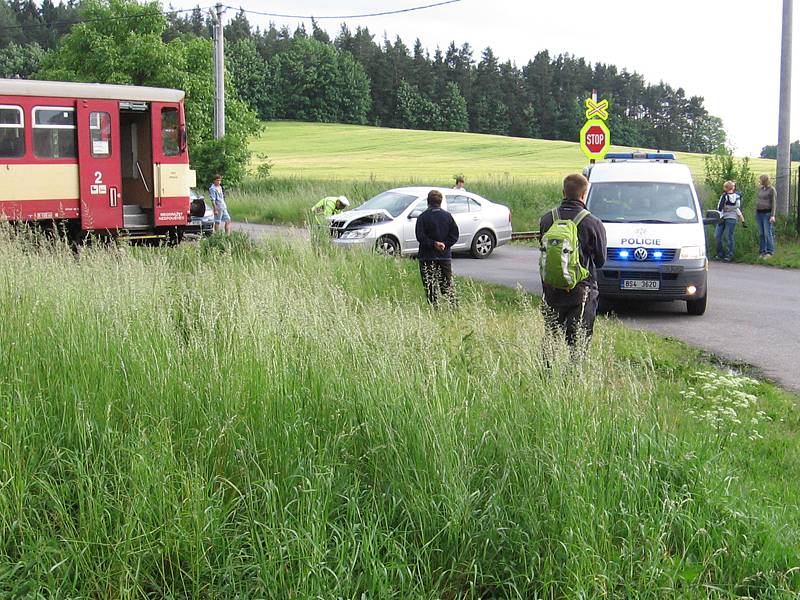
(351, 152)
(232, 419)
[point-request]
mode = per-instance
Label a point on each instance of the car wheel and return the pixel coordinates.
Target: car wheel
(388, 246)
(482, 244)
(697, 307)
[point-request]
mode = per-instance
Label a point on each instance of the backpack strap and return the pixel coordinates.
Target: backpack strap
(555, 215)
(580, 216)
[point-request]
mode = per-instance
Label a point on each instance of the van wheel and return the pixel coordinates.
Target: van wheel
(387, 246)
(605, 305)
(482, 244)
(697, 307)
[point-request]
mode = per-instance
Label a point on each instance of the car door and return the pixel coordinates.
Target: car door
(458, 206)
(410, 244)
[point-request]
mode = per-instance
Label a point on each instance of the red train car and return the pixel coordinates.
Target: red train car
(111, 159)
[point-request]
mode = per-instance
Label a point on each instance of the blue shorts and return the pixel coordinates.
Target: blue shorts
(222, 214)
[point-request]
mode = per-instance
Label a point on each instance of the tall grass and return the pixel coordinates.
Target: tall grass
(282, 420)
(288, 199)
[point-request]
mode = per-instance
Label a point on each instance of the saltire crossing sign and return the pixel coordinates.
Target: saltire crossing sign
(595, 136)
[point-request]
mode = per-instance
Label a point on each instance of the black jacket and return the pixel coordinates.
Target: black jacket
(592, 240)
(436, 225)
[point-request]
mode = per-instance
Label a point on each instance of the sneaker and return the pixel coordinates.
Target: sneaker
(767, 255)
(727, 259)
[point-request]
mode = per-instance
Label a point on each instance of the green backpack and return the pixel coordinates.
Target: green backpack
(559, 262)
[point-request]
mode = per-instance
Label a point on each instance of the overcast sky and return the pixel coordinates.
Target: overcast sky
(727, 51)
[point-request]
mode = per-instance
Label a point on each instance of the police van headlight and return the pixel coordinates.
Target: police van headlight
(690, 252)
(354, 234)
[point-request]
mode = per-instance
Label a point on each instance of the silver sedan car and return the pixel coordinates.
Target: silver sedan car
(387, 222)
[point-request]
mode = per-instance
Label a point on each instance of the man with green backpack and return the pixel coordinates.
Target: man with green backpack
(573, 244)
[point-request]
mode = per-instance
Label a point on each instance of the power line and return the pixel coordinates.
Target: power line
(362, 16)
(101, 19)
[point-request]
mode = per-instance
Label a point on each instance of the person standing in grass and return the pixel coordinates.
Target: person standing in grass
(765, 218)
(217, 196)
(730, 205)
(436, 232)
(571, 311)
(459, 183)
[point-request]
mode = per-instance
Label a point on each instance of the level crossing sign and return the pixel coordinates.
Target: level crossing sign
(596, 110)
(595, 136)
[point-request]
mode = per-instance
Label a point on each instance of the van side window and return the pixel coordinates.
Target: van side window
(170, 132)
(54, 133)
(12, 132)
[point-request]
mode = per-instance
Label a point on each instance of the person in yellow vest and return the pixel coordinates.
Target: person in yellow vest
(329, 206)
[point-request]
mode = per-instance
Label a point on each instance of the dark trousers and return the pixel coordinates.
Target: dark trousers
(575, 321)
(437, 278)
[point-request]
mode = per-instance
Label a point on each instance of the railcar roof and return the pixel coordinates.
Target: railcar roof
(65, 89)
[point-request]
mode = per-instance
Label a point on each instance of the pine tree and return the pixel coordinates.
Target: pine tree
(453, 109)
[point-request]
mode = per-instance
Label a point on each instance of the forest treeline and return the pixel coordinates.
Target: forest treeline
(355, 78)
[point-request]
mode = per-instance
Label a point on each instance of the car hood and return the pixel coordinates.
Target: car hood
(354, 218)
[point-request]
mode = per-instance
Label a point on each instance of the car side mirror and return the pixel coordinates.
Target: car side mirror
(415, 213)
(712, 216)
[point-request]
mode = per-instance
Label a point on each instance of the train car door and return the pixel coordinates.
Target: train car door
(170, 165)
(99, 164)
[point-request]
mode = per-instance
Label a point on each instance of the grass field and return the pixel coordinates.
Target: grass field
(351, 152)
(234, 420)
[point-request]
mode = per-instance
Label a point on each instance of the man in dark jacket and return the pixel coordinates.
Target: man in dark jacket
(436, 232)
(573, 311)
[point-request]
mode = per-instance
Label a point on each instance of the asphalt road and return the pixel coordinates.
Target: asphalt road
(753, 313)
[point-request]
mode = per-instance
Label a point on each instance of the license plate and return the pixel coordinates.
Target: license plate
(639, 284)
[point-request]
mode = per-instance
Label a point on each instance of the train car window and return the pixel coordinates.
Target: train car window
(54, 132)
(12, 132)
(170, 132)
(100, 132)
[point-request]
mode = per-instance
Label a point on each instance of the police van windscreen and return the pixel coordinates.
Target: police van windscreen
(642, 202)
(392, 202)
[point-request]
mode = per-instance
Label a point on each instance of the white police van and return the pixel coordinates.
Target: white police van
(654, 228)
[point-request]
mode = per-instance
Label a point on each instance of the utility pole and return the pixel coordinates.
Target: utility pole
(219, 74)
(783, 175)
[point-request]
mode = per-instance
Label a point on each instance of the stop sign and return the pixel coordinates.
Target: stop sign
(595, 138)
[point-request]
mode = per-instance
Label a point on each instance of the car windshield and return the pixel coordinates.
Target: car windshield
(642, 202)
(392, 202)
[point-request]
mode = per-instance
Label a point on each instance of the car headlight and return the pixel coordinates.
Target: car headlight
(353, 234)
(693, 252)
